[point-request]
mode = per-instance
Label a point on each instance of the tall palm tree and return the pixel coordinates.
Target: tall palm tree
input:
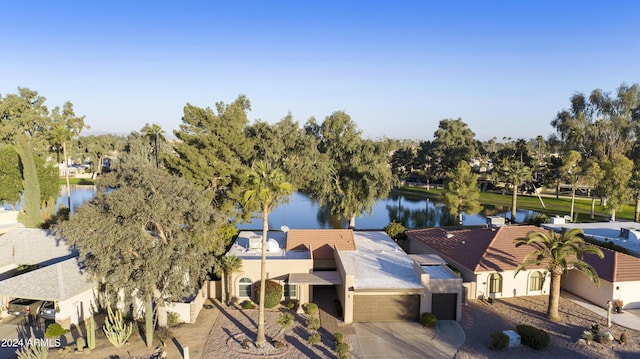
(226, 266)
(516, 173)
(154, 131)
(561, 253)
(267, 188)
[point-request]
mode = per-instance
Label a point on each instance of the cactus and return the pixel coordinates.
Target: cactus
(90, 325)
(33, 350)
(115, 328)
(80, 344)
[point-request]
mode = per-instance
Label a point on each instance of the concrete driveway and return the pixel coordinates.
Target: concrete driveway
(406, 340)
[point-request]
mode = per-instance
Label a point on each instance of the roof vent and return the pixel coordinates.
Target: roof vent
(285, 229)
(448, 235)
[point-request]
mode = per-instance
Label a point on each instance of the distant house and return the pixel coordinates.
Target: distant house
(374, 279)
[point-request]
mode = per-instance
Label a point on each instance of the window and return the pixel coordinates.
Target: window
(535, 281)
(244, 287)
(290, 290)
(495, 283)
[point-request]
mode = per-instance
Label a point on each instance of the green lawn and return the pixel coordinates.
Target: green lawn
(560, 206)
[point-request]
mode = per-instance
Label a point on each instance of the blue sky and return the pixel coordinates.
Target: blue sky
(398, 68)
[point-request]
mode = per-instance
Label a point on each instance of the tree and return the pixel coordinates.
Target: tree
(65, 126)
(149, 236)
(461, 192)
(10, 176)
(515, 173)
(96, 148)
(212, 150)
(453, 142)
(266, 189)
(226, 266)
(560, 253)
(358, 169)
(154, 132)
(614, 183)
(570, 171)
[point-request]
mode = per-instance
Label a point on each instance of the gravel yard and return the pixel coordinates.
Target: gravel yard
(480, 319)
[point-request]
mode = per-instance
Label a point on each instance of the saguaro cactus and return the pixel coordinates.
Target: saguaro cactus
(115, 328)
(90, 325)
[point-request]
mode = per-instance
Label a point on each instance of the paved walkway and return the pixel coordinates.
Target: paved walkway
(629, 318)
(406, 340)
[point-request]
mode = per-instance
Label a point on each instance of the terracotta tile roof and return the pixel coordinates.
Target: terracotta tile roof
(615, 266)
(478, 249)
(321, 241)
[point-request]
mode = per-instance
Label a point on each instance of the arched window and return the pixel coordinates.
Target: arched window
(495, 283)
(244, 287)
(535, 281)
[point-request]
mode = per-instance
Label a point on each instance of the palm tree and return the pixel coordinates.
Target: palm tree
(227, 265)
(267, 189)
(154, 131)
(560, 253)
(516, 173)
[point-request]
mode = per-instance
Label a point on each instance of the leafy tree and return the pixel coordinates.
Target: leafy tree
(402, 162)
(64, 127)
(359, 172)
(515, 173)
(266, 189)
(10, 176)
(212, 150)
(453, 142)
(96, 148)
(150, 236)
(614, 183)
(570, 171)
(560, 253)
(461, 192)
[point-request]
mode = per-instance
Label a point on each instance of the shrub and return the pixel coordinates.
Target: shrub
(311, 308)
(272, 295)
(55, 330)
(314, 338)
(588, 336)
(80, 344)
(536, 338)
(313, 323)
(428, 320)
(624, 338)
(342, 349)
(604, 337)
(395, 230)
(498, 341)
(173, 319)
(290, 304)
(247, 304)
(338, 338)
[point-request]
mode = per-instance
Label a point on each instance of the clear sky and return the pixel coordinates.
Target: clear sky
(397, 67)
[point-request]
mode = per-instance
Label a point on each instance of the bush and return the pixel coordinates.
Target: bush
(314, 338)
(313, 323)
(498, 341)
(290, 304)
(247, 304)
(338, 338)
(173, 319)
(311, 308)
(55, 330)
(428, 320)
(536, 338)
(342, 349)
(395, 230)
(272, 295)
(624, 338)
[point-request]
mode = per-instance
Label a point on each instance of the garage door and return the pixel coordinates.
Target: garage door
(444, 306)
(386, 308)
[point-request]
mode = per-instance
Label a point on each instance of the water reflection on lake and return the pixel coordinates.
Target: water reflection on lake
(303, 211)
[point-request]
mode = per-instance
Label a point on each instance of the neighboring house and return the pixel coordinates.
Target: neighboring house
(37, 264)
(619, 273)
(486, 259)
(374, 279)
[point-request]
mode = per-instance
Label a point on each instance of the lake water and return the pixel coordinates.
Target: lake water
(303, 211)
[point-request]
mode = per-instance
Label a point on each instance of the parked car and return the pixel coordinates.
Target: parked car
(24, 307)
(48, 310)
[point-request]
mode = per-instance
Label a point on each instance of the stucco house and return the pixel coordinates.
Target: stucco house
(37, 264)
(374, 279)
(486, 259)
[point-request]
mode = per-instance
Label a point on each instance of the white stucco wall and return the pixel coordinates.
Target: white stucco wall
(511, 286)
(76, 309)
(578, 284)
